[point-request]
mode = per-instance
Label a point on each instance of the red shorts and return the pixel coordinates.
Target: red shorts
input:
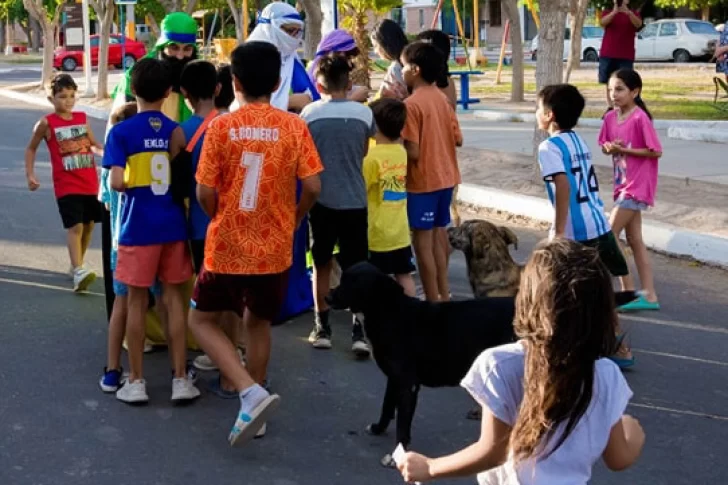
(262, 294)
(139, 266)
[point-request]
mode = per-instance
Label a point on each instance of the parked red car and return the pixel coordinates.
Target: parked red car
(66, 60)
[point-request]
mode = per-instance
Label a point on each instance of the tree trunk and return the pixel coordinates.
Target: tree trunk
(510, 8)
(49, 43)
(35, 33)
(578, 15)
(550, 64)
(360, 75)
(238, 19)
(153, 25)
(314, 18)
(705, 13)
(190, 7)
(105, 14)
(3, 35)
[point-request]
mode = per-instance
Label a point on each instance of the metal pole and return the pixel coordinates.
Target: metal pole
(123, 38)
(336, 14)
(87, 68)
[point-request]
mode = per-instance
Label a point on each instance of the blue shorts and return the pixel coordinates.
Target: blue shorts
(429, 210)
(120, 289)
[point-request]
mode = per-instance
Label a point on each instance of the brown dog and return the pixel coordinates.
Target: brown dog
(491, 269)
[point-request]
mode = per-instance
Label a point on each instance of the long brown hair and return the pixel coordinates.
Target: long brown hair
(565, 313)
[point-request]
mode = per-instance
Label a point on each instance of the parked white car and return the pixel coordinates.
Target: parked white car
(676, 39)
(591, 42)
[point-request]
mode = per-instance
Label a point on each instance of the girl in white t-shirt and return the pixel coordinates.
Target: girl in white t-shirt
(553, 403)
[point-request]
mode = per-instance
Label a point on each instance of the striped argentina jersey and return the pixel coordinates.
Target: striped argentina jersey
(567, 153)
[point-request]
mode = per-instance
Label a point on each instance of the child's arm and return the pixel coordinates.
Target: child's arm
(456, 128)
(636, 152)
(40, 132)
(207, 197)
(625, 444)
(96, 147)
(488, 452)
(310, 190)
(308, 170)
(117, 178)
(561, 203)
(411, 133)
(177, 142)
(413, 151)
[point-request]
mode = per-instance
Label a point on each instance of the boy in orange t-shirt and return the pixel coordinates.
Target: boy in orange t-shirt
(431, 135)
(250, 163)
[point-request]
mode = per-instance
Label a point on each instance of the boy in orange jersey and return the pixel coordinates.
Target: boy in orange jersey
(251, 162)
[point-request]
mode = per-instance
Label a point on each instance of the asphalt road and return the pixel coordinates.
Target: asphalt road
(56, 427)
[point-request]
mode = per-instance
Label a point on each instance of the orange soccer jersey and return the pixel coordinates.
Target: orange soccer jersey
(253, 158)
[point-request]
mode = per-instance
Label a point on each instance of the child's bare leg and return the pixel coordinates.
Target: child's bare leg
(174, 302)
(423, 242)
(442, 245)
(213, 341)
(232, 325)
(117, 328)
(407, 282)
(258, 353)
(135, 322)
(88, 230)
(641, 257)
(73, 241)
(619, 219)
(322, 285)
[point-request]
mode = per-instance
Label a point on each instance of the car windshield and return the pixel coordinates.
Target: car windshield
(701, 28)
(592, 32)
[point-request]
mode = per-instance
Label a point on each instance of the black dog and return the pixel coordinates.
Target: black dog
(419, 343)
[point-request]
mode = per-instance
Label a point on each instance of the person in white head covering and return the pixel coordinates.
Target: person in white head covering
(281, 25)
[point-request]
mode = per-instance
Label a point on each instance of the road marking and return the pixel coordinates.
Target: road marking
(676, 324)
(682, 357)
(678, 411)
(47, 287)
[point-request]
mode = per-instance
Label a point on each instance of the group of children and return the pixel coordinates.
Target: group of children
(260, 171)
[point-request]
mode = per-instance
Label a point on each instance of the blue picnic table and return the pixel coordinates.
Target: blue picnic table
(465, 98)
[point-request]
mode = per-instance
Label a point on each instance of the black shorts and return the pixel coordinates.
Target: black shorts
(197, 248)
(348, 227)
(262, 294)
(609, 65)
(610, 253)
(396, 262)
(79, 209)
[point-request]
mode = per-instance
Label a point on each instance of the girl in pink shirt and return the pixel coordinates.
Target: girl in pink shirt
(630, 137)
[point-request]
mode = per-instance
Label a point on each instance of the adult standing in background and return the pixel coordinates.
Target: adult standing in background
(389, 41)
(618, 45)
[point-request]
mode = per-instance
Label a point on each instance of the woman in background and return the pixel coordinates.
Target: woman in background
(389, 41)
(341, 42)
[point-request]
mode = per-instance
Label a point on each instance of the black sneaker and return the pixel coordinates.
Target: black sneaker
(359, 344)
(320, 336)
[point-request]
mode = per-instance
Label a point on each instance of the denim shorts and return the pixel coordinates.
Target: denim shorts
(626, 202)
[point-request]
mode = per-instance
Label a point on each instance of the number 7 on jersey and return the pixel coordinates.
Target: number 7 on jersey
(253, 163)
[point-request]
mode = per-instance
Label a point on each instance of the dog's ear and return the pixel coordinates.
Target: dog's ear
(479, 242)
(509, 236)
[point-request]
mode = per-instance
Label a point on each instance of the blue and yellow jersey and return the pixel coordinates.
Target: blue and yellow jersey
(140, 146)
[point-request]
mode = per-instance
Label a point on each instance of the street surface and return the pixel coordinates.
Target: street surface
(57, 428)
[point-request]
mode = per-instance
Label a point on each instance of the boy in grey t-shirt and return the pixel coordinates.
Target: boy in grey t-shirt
(341, 130)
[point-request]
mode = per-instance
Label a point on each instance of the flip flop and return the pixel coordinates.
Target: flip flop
(640, 304)
(247, 425)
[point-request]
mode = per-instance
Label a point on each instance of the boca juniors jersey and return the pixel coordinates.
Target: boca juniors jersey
(140, 145)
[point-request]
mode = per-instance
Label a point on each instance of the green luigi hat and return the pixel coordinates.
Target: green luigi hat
(177, 28)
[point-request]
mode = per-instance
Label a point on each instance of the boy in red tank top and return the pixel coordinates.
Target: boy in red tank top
(71, 146)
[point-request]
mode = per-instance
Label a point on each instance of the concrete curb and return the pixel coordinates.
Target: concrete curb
(93, 112)
(511, 116)
(659, 236)
(697, 134)
(20, 68)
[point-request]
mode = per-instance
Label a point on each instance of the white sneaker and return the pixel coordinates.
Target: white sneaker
(82, 279)
(133, 392)
(204, 362)
(184, 390)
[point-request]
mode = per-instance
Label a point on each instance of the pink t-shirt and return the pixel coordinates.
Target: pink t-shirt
(635, 177)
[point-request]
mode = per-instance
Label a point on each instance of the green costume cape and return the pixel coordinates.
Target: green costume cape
(177, 28)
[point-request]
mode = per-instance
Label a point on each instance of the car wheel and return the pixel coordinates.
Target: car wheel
(534, 56)
(69, 64)
(129, 61)
(681, 55)
(590, 55)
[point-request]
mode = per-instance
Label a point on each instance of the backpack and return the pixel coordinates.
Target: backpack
(182, 173)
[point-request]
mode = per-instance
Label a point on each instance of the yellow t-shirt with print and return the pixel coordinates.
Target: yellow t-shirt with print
(385, 175)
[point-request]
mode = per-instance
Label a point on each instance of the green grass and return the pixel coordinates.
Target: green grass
(681, 109)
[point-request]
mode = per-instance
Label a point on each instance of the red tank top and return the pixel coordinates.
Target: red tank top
(72, 161)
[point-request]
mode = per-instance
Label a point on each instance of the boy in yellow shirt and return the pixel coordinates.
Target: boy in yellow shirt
(385, 175)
